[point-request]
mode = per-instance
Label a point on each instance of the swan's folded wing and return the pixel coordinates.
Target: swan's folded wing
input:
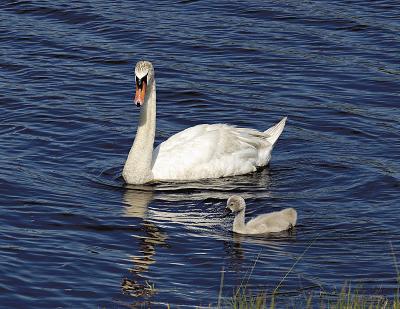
(208, 151)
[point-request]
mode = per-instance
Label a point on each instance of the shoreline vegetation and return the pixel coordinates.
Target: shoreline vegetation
(347, 298)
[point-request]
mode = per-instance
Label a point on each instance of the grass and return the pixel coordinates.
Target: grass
(346, 298)
(244, 299)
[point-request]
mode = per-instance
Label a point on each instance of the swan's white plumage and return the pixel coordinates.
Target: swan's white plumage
(211, 151)
(202, 151)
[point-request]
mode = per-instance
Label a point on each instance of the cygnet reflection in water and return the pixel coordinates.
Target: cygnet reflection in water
(266, 223)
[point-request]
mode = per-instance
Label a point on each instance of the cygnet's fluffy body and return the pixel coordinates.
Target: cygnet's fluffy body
(266, 223)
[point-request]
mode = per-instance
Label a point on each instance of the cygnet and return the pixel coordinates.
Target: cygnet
(266, 223)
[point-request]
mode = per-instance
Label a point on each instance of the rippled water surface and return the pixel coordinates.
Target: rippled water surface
(73, 235)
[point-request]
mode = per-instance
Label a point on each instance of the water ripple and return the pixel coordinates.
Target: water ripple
(74, 235)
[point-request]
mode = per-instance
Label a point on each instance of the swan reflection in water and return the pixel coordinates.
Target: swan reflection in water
(171, 197)
(137, 202)
(203, 202)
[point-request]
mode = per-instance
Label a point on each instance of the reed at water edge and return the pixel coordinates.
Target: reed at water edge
(346, 298)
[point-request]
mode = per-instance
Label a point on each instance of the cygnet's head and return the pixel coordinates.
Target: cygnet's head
(235, 204)
(144, 75)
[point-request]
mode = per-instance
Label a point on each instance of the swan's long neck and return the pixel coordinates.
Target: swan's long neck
(238, 224)
(137, 169)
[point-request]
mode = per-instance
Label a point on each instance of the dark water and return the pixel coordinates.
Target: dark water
(72, 235)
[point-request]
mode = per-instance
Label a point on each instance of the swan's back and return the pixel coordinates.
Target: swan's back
(212, 151)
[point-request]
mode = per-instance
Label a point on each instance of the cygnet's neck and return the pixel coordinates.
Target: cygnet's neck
(137, 169)
(239, 225)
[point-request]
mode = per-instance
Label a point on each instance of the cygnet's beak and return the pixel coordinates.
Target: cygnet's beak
(227, 212)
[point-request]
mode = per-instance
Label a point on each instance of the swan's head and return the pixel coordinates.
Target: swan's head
(144, 75)
(235, 204)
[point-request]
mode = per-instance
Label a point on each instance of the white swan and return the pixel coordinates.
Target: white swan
(202, 151)
(266, 223)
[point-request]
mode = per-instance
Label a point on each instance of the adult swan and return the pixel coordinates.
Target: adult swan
(202, 151)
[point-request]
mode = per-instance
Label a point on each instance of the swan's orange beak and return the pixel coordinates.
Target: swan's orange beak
(140, 93)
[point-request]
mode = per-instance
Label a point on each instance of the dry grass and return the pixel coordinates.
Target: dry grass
(346, 298)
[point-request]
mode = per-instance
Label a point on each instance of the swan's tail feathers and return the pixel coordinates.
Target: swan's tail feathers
(275, 131)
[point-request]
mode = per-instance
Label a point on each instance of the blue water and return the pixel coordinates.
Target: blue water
(73, 235)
